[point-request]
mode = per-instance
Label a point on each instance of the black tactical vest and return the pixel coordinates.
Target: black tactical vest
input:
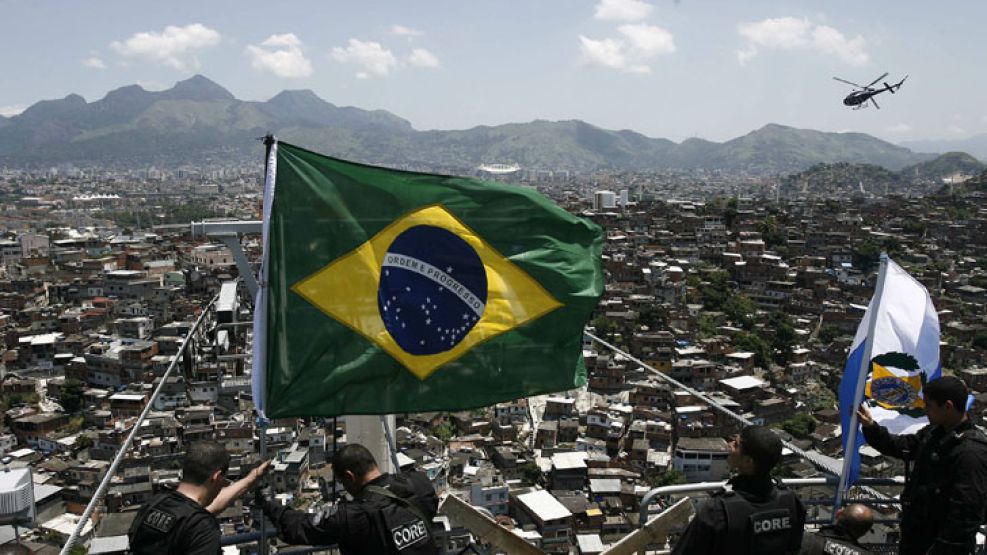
(768, 526)
(819, 544)
(401, 525)
(159, 523)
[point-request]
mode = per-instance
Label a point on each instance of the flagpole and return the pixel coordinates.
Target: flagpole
(261, 422)
(858, 395)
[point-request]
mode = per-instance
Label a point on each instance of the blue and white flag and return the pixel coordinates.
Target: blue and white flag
(904, 357)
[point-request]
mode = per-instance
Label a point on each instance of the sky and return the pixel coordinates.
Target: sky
(674, 69)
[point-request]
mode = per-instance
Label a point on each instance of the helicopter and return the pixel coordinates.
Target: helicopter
(858, 99)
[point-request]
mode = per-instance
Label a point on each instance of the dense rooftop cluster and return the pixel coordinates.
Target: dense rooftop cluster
(751, 298)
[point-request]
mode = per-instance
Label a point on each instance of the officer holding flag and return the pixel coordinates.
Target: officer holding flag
(945, 499)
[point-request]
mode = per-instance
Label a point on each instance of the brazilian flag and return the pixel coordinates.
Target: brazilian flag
(387, 291)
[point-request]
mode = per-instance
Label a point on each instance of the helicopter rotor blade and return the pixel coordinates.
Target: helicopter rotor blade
(878, 79)
(875, 103)
(848, 82)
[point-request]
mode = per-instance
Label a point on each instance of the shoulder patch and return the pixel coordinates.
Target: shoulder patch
(160, 520)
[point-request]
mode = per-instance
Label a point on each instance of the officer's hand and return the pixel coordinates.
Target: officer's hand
(256, 473)
(864, 415)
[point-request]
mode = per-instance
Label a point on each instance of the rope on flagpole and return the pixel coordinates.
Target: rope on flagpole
(111, 472)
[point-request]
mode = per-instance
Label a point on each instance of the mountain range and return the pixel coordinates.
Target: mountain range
(197, 121)
(975, 145)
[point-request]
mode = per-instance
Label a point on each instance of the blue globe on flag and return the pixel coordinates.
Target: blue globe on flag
(433, 290)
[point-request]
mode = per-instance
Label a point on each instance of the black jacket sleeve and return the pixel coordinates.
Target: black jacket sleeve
(326, 527)
(967, 498)
(889, 444)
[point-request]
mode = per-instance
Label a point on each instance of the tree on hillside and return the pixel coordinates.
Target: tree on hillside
(715, 290)
(668, 478)
(652, 316)
(829, 332)
(531, 474)
(753, 343)
(801, 425)
(444, 431)
(705, 326)
(605, 327)
(83, 442)
(730, 213)
(866, 255)
(772, 232)
(784, 336)
(740, 310)
(71, 397)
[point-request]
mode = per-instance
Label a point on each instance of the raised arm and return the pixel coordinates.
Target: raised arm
(884, 441)
(230, 493)
(325, 527)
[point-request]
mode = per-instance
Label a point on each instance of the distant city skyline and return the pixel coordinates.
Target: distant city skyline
(676, 70)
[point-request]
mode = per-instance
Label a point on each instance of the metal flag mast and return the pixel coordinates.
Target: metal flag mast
(858, 395)
(260, 296)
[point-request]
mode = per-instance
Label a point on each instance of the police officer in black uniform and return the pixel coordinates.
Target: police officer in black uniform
(752, 514)
(841, 538)
(945, 498)
(388, 514)
(181, 521)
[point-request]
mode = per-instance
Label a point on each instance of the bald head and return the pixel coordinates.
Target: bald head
(856, 519)
(14, 549)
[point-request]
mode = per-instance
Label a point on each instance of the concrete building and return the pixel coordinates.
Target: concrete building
(702, 459)
(553, 521)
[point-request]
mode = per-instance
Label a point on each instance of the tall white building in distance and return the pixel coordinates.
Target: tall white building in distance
(603, 200)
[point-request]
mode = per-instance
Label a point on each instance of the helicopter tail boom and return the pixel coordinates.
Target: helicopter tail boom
(894, 87)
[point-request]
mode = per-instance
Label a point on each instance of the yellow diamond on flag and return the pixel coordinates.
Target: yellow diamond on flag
(426, 289)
